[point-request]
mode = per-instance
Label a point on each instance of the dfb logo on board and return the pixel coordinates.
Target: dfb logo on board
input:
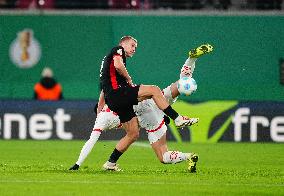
(25, 50)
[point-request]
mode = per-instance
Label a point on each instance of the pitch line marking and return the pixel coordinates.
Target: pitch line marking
(140, 144)
(139, 183)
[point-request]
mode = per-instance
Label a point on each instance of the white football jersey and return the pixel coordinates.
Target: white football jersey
(149, 115)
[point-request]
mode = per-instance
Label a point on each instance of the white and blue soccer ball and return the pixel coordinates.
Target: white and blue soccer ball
(186, 86)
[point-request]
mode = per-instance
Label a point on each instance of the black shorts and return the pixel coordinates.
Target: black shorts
(122, 100)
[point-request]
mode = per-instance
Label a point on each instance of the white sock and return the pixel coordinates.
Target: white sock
(191, 63)
(174, 157)
(188, 67)
(88, 146)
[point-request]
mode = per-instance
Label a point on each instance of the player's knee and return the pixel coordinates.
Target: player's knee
(155, 89)
(134, 135)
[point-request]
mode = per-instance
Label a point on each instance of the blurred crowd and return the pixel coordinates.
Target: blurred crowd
(143, 4)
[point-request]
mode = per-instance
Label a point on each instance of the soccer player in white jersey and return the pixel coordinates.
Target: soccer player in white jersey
(151, 118)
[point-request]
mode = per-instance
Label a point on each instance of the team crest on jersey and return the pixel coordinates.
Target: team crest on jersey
(25, 50)
(119, 51)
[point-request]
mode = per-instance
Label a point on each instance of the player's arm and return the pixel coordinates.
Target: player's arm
(119, 66)
(101, 102)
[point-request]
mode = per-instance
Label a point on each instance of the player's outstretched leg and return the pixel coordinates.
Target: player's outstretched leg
(154, 92)
(189, 65)
(88, 146)
(165, 156)
(171, 92)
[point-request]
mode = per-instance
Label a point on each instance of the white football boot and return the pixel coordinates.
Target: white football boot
(111, 166)
(182, 121)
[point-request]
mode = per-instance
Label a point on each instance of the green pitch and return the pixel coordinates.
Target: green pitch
(41, 168)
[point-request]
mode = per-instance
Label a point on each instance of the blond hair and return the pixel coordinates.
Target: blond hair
(126, 38)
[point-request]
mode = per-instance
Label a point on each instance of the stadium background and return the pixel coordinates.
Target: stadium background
(239, 98)
(245, 64)
(243, 72)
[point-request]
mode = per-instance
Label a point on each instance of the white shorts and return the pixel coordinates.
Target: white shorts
(155, 135)
(106, 120)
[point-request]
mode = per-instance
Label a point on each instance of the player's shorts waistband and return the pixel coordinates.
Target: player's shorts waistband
(99, 130)
(159, 127)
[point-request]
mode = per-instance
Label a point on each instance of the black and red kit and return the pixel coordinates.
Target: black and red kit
(119, 95)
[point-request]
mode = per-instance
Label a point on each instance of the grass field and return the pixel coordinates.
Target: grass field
(41, 168)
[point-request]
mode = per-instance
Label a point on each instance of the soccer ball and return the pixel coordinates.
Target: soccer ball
(186, 86)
